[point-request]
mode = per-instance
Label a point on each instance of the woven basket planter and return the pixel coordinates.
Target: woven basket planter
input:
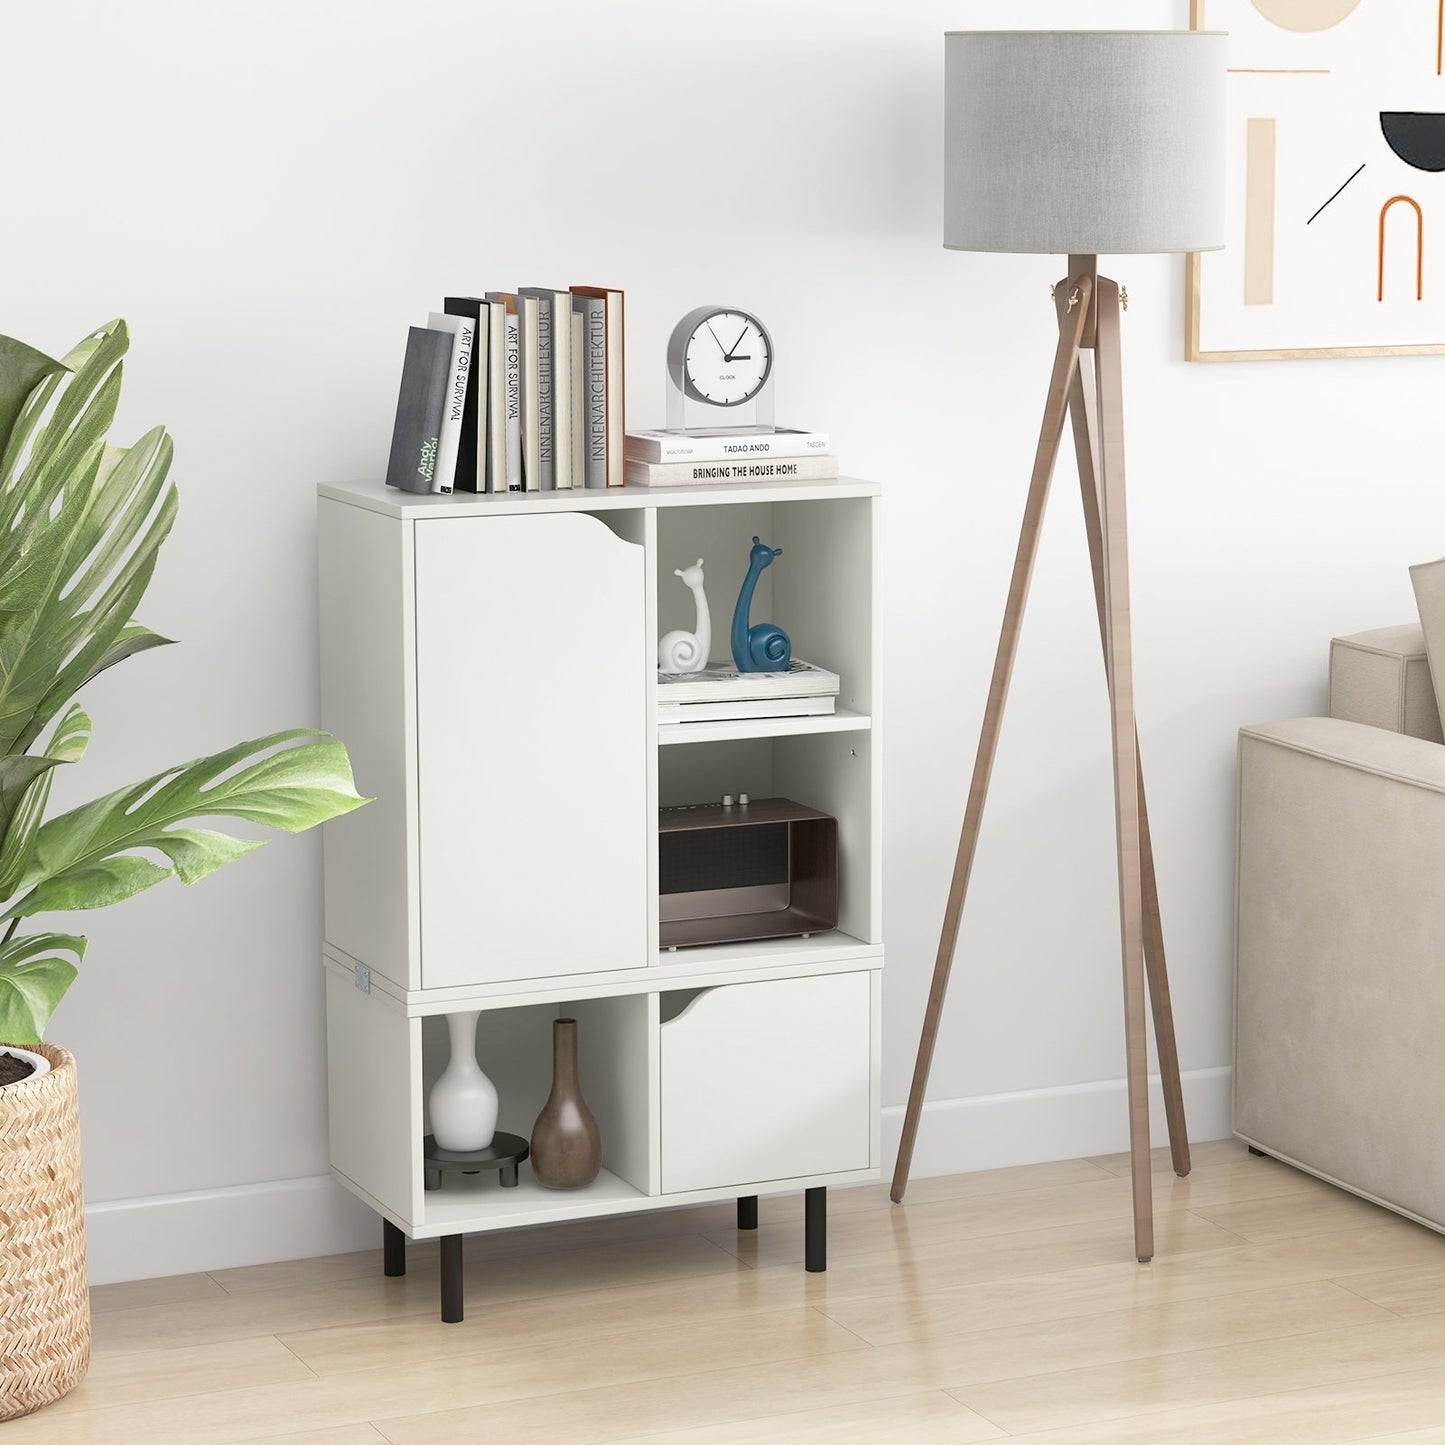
(44, 1298)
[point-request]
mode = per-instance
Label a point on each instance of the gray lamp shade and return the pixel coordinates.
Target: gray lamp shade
(1085, 141)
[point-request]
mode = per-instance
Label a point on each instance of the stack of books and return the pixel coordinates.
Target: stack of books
(750, 454)
(720, 692)
(514, 391)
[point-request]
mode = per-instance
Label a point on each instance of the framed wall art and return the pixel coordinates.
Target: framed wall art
(1335, 182)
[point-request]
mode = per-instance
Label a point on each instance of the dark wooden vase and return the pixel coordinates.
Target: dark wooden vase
(566, 1142)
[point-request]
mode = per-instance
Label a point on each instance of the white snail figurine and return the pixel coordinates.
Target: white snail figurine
(688, 651)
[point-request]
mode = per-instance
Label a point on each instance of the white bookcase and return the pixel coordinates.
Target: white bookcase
(490, 662)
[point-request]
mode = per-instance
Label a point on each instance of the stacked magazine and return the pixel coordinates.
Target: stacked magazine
(720, 691)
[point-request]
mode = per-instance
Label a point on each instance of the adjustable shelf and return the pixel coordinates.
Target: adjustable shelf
(842, 721)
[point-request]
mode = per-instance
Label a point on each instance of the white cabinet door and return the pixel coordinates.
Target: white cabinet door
(531, 691)
(766, 1081)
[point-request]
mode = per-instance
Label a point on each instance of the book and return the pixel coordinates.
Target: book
(542, 371)
(515, 400)
(722, 682)
(686, 712)
(579, 369)
(464, 331)
(616, 379)
(472, 452)
(416, 433)
(721, 446)
(501, 384)
(593, 313)
(701, 474)
(555, 331)
(535, 394)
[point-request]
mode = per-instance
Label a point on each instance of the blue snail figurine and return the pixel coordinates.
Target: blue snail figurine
(764, 647)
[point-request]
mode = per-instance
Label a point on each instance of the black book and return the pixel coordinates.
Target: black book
(467, 479)
(425, 375)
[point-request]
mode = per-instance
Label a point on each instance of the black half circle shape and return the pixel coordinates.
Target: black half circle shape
(1417, 137)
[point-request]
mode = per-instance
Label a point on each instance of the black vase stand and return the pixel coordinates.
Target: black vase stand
(504, 1153)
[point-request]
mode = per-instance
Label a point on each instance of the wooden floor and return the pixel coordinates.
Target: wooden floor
(992, 1306)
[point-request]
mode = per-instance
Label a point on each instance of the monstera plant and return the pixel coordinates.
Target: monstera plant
(81, 526)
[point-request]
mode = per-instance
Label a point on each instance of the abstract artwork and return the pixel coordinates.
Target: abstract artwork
(1336, 182)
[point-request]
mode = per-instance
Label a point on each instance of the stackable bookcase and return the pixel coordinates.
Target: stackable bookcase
(490, 662)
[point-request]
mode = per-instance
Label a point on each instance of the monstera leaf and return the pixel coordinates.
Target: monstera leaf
(23, 374)
(34, 975)
(25, 790)
(82, 524)
(101, 853)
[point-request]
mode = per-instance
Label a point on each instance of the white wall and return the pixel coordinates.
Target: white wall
(271, 192)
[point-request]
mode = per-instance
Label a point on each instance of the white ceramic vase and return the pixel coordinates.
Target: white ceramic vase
(464, 1100)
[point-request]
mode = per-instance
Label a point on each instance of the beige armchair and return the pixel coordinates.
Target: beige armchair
(1340, 932)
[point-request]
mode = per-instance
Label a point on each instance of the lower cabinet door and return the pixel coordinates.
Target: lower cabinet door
(766, 1081)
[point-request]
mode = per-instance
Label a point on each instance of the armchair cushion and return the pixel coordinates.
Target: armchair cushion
(1429, 582)
(1382, 678)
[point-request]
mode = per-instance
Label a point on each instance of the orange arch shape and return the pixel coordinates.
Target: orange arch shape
(1419, 246)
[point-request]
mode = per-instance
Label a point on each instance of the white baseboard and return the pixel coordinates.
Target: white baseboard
(222, 1228)
(1073, 1121)
(295, 1218)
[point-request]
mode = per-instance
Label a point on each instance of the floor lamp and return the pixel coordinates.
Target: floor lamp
(1083, 143)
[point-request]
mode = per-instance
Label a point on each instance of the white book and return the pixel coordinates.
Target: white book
(554, 384)
(536, 393)
(501, 385)
(707, 474)
(579, 398)
(464, 332)
(686, 712)
(558, 308)
(516, 479)
(616, 382)
(722, 682)
(721, 446)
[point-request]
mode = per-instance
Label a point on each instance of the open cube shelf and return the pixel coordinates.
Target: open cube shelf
(491, 662)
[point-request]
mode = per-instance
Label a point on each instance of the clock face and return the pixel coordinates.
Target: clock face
(728, 358)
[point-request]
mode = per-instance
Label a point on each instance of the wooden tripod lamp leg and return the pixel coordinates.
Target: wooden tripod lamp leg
(1066, 358)
(1119, 652)
(1086, 432)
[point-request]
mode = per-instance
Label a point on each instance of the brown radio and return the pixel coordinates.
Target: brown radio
(729, 872)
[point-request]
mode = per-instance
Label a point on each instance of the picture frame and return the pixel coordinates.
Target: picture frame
(1320, 193)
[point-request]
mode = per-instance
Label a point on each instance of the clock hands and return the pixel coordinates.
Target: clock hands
(729, 356)
(720, 346)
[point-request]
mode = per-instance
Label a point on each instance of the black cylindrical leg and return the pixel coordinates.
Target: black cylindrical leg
(393, 1250)
(451, 1279)
(748, 1212)
(510, 1178)
(815, 1230)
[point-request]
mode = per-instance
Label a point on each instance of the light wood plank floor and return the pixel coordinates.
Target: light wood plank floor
(994, 1306)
